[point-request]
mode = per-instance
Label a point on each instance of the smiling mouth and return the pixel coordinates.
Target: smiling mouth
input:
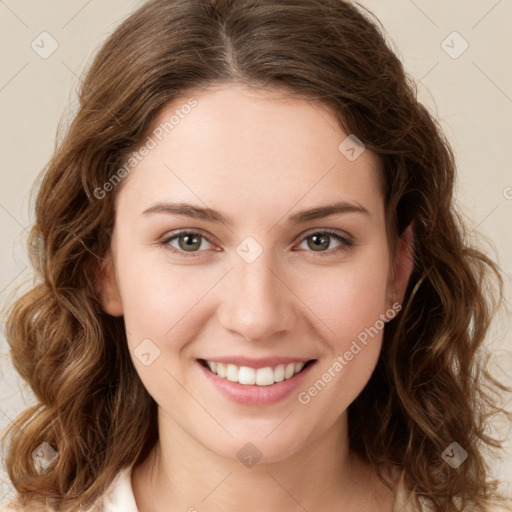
(255, 376)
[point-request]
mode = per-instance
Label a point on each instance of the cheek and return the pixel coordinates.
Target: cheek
(347, 299)
(162, 301)
(352, 304)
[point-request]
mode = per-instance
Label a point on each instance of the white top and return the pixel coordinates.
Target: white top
(119, 497)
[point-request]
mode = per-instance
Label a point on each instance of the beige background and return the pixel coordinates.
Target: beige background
(471, 95)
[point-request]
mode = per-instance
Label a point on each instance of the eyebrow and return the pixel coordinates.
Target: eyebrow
(208, 214)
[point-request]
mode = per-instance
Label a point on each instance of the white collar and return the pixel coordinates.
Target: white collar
(119, 495)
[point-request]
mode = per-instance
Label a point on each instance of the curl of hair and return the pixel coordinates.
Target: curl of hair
(430, 386)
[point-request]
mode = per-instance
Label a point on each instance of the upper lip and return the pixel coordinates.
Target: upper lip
(256, 363)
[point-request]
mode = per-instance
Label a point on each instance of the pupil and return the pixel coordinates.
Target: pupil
(320, 241)
(191, 242)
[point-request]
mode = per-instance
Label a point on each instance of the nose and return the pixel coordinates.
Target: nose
(257, 302)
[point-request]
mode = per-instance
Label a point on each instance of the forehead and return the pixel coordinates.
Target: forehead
(252, 148)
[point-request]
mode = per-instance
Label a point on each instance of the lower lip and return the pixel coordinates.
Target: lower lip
(256, 395)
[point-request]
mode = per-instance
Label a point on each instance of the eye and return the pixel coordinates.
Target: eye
(191, 243)
(187, 243)
(320, 242)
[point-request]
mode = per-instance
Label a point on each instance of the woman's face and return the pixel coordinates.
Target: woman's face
(254, 284)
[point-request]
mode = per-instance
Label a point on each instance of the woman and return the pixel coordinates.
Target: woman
(255, 292)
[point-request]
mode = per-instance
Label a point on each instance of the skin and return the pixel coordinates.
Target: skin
(258, 157)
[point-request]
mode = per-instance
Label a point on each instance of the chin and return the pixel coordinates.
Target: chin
(259, 449)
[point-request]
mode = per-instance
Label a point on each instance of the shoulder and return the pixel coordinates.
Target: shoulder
(405, 500)
(118, 498)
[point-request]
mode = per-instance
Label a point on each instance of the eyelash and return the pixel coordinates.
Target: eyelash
(345, 242)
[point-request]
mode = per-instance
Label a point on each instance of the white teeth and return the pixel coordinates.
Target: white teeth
(232, 373)
(279, 373)
(246, 375)
(221, 370)
(251, 376)
(298, 367)
(264, 376)
(289, 371)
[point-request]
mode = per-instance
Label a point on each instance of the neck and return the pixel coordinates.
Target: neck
(181, 474)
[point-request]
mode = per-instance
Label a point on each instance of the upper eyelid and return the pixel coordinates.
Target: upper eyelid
(194, 231)
(337, 231)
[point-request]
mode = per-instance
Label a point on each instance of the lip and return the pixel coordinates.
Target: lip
(256, 395)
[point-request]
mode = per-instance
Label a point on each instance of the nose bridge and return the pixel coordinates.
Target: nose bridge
(257, 303)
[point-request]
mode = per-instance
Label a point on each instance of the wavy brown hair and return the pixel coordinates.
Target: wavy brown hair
(430, 387)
